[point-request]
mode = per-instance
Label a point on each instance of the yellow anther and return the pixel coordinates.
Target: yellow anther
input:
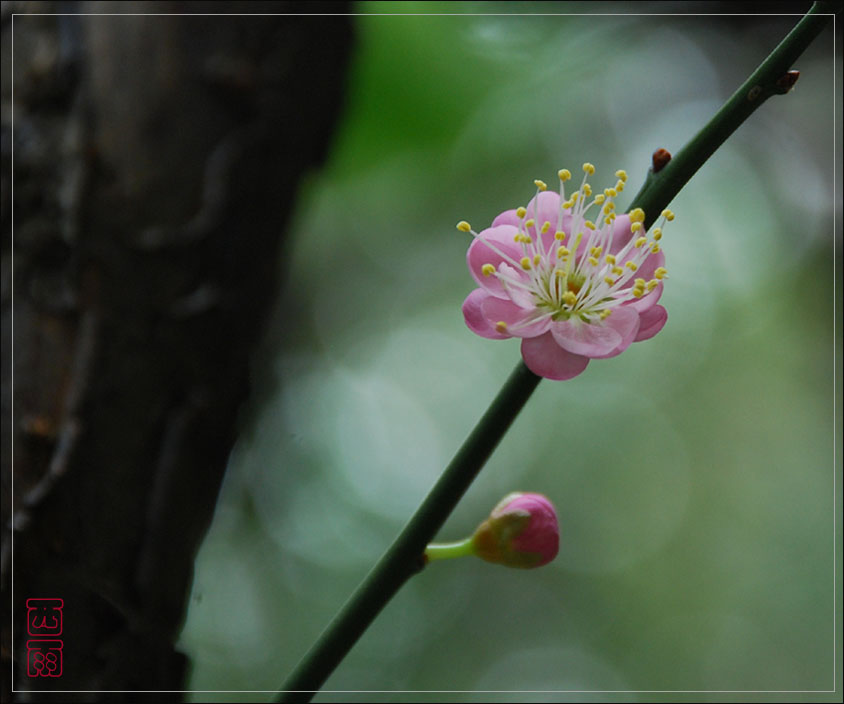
(596, 251)
(611, 192)
(609, 280)
(660, 272)
(487, 269)
(562, 252)
(600, 198)
(560, 274)
(617, 270)
(652, 284)
(559, 235)
(635, 227)
(637, 215)
(610, 259)
(525, 262)
(589, 224)
(621, 175)
(569, 298)
(564, 174)
(541, 185)
(639, 283)
(604, 314)
(593, 261)
(589, 168)
(530, 223)
(609, 207)
(464, 226)
(501, 326)
(545, 227)
(657, 233)
(521, 212)
(631, 265)
(655, 248)
(537, 258)
(609, 219)
(587, 189)
(575, 196)
(568, 204)
(640, 242)
(668, 215)
(638, 292)
(619, 186)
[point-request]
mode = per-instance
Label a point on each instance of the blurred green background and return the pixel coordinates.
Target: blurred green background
(694, 475)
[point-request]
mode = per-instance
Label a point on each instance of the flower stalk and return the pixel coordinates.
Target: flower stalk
(405, 556)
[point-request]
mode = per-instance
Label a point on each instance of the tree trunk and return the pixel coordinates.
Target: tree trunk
(156, 163)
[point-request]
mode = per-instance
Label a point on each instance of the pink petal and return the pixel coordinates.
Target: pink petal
(474, 317)
(646, 302)
(544, 207)
(598, 339)
(651, 322)
(621, 233)
(544, 357)
(496, 309)
(501, 238)
(626, 323)
(508, 217)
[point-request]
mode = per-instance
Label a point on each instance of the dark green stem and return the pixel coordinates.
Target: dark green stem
(767, 80)
(405, 555)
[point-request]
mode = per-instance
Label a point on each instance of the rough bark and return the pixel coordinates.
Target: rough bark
(156, 163)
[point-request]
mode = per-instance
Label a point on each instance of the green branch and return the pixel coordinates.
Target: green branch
(771, 78)
(405, 555)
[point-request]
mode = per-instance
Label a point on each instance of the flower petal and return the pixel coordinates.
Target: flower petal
(479, 254)
(626, 325)
(516, 317)
(651, 322)
(596, 339)
(544, 357)
(508, 217)
(474, 317)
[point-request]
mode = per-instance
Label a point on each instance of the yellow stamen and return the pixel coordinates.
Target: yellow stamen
(668, 214)
(610, 259)
(464, 226)
(562, 252)
(637, 215)
(604, 314)
(635, 227)
(600, 198)
(640, 242)
(545, 227)
(569, 298)
(521, 212)
(525, 262)
(660, 272)
(487, 269)
(621, 174)
(589, 168)
(560, 235)
(589, 224)
(657, 233)
(501, 326)
(593, 261)
(541, 185)
(536, 259)
(587, 189)
(631, 265)
(564, 174)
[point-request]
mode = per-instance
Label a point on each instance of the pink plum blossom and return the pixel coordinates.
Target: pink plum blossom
(573, 289)
(521, 531)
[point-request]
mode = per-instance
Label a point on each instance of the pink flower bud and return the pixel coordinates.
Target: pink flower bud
(521, 531)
